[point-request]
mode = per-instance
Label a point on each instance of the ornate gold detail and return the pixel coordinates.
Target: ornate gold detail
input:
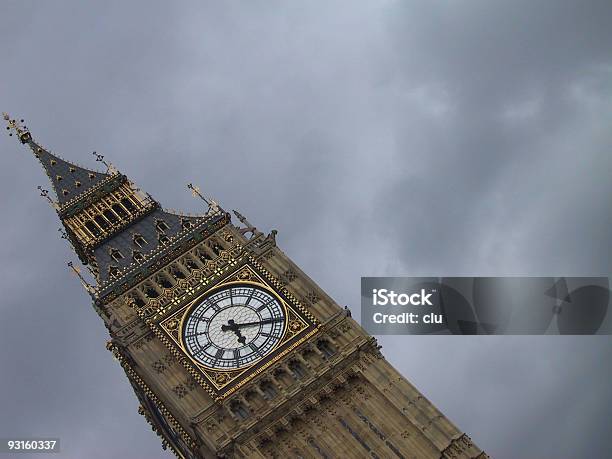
(227, 237)
(22, 131)
(165, 314)
(108, 215)
(163, 257)
(244, 275)
(296, 325)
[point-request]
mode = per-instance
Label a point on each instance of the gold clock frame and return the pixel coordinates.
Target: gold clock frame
(185, 312)
(220, 383)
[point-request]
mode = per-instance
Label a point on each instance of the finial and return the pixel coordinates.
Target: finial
(250, 228)
(272, 236)
(195, 191)
(100, 158)
(77, 271)
(22, 131)
(45, 194)
(214, 206)
(241, 217)
(63, 233)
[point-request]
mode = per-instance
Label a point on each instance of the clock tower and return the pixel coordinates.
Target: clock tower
(232, 350)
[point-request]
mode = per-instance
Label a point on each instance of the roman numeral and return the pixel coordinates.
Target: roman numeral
(219, 353)
(203, 349)
(265, 305)
(254, 348)
(191, 335)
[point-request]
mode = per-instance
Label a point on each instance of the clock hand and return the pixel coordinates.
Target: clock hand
(231, 325)
(241, 338)
(262, 322)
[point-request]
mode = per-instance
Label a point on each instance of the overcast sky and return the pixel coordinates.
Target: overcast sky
(379, 138)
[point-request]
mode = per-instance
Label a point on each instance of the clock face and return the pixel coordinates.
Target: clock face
(234, 327)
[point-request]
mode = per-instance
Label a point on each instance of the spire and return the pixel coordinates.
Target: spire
(249, 228)
(115, 228)
(69, 180)
(93, 206)
(195, 191)
(213, 206)
(13, 125)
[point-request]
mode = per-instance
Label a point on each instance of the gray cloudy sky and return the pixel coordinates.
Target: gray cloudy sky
(379, 138)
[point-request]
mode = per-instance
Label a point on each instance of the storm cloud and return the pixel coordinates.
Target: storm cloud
(380, 138)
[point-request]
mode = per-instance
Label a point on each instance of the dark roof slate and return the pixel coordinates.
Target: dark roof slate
(69, 180)
(124, 241)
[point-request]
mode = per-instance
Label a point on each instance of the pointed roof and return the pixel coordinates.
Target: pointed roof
(69, 180)
(120, 239)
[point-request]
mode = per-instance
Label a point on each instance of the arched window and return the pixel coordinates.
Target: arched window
(151, 292)
(163, 282)
(128, 205)
(268, 390)
(137, 256)
(110, 216)
(190, 264)
(115, 254)
(326, 348)
(101, 222)
(297, 369)
(310, 355)
(216, 248)
(113, 272)
(163, 239)
(177, 273)
(239, 410)
(186, 223)
(282, 377)
(161, 226)
(139, 302)
(119, 210)
(139, 240)
(91, 226)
